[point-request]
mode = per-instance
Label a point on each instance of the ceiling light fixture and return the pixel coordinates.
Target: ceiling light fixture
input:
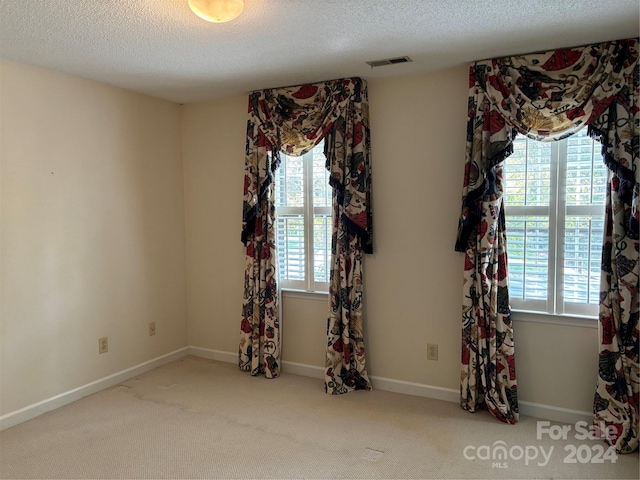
(217, 11)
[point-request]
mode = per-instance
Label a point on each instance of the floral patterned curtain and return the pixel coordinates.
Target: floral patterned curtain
(293, 120)
(548, 96)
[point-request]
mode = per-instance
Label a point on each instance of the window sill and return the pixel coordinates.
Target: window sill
(564, 320)
(304, 294)
(516, 315)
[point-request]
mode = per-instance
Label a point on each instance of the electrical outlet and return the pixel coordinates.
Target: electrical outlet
(432, 351)
(152, 329)
(103, 345)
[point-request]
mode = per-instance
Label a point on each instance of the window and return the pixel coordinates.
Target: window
(554, 205)
(303, 213)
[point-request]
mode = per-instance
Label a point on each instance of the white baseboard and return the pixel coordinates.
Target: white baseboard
(380, 383)
(27, 413)
(210, 354)
(303, 369)
(416, 389)
(557, 414)
(530, 409)
(293, 368)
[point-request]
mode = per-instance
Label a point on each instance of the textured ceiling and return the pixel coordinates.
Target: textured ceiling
(159, 47)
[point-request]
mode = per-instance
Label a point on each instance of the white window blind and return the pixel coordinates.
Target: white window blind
(554, 205)
(303, 213)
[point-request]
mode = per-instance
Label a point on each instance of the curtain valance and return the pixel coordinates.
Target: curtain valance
(293, 120)
(548, 96)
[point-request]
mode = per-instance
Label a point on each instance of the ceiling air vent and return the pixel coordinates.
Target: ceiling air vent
(389, 61)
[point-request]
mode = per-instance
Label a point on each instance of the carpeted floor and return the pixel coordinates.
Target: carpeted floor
(197, 418)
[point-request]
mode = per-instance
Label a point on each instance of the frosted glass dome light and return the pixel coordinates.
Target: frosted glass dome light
(217, 11)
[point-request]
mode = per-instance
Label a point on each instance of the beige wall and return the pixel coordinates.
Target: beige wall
(92, 240)
(213, 136)
(413, 280)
